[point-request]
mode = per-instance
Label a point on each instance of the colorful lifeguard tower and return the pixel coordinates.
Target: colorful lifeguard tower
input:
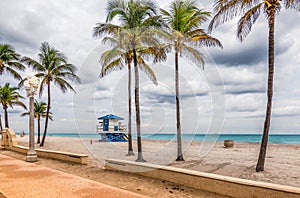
(111, 129)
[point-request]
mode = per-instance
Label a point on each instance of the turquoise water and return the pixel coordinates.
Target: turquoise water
(254, 138)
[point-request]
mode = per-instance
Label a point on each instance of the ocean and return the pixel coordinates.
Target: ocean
(254, 138)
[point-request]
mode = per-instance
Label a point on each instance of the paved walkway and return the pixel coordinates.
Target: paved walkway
(22, 179)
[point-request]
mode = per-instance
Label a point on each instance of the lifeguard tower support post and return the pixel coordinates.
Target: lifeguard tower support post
(111, 129)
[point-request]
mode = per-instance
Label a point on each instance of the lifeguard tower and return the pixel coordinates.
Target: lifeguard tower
(111, 129)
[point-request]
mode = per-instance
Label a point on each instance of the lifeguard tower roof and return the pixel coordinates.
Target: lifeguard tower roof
(110, 116)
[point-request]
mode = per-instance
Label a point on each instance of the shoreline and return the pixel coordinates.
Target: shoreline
(282, 164)
(204, 137)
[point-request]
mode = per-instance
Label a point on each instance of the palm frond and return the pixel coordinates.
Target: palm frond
(246, 22)
(206, 40)
(144, 67)
(193, 55)
(63, 85)
(112, 54)
(228, 9)
(292, 4)
(105, 28)
(14, 73)
(42, 85)
(36, 66)
(112, 66)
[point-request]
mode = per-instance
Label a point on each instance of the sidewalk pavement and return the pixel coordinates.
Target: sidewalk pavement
(23, 179)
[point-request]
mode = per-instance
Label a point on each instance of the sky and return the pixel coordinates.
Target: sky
(228, 96)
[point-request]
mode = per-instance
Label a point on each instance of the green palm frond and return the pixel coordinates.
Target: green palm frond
(112, 54)
(144, 67)
(9, 61)
(206, 40)
(40, 109)
(112, 66)
(228, 9)
(193, 55)
(292, 4)
(114, 8)
(112, 41)
(36, 66)
(105, 28)
(9, 96)
(246, 22)
(63, 85)
(25, 114)
(14, 73)
(52, 66)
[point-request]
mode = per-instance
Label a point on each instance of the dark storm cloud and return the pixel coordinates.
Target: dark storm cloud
(15, 111)
(243, 109)
(241, 56)
(160, 98)
(246, 91)
(9, 36)
(169, 98)
(281, 115)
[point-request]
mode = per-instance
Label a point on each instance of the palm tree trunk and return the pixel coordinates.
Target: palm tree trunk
(178, 125)
(47, 116)
(264, 142)
(1, 123)
(39, 130)
(5, 116)
(130, 149)
(137, 110)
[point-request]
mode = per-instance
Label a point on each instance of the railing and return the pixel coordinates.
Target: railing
(111, 128)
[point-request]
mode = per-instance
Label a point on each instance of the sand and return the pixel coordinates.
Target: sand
(282, 164)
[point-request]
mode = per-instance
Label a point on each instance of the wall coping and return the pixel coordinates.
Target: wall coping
(120, 165)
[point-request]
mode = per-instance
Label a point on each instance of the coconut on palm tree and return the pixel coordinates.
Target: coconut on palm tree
(139, 20)
(250, 10)
(9, 97)
(9, 61)
(184, 19)
(52, 68)
(40, 111)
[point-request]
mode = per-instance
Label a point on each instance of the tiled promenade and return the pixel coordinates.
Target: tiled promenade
(22, 179)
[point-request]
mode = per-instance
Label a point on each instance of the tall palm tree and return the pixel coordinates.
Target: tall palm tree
(184, 20)
(139, 18)
(250, 10)
(0, 123)
(9, 61)
(52, 67)
(118, 57)
(40, 111)
(9, 96)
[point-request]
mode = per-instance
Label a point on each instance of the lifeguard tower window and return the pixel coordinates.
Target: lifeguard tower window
(105, 124)
(116, 128)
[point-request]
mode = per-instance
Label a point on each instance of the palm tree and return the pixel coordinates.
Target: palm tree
(118, 57)
(40, 111)
(0, 123)
(184, 19)
(138, 18)
(52, 67)
(9, 96)
(250, 10)
(9, 61)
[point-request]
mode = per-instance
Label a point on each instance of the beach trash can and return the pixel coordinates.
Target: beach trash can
(228, 143)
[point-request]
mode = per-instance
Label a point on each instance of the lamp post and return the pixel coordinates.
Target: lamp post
(31, 84)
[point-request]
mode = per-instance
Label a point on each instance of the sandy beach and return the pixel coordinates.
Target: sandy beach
(282, 163)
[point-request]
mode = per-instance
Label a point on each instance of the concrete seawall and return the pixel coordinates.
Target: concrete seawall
(222, 185)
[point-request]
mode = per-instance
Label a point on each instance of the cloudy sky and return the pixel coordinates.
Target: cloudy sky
(228, 96)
